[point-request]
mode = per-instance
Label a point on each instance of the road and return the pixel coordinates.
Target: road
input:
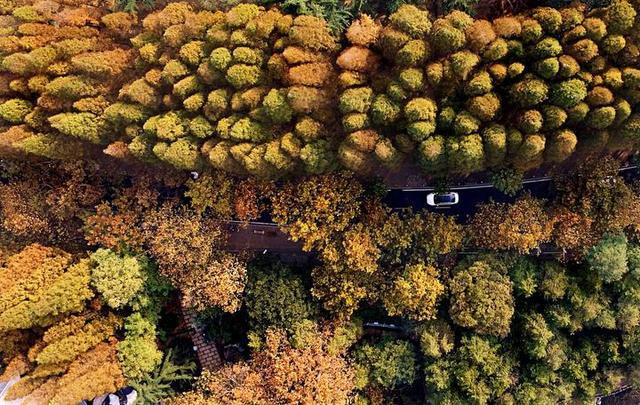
(260, 237)
(470, 197)
(266, 237)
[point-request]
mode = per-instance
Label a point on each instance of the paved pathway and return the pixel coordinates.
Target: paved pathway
(259, 237)
(207, 352)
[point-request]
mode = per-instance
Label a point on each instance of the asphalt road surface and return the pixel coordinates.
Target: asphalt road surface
(259, 237)
(265, 236)
(469, 197)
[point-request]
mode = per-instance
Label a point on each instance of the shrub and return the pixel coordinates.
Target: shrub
(530, 121)
(411, 20)
(384, 111)
(507, 181)
(561, 145)
(85, 126)
(484, 107)
(15, 110)
(445, 38)
(568, 93)
(528, 93)
(620, 16)
(549, 18)
(601, 117)
(238, 86)
(547, 68)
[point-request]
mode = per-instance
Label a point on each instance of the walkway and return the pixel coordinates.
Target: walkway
(207, 352)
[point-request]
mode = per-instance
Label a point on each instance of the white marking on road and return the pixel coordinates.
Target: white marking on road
(489, 185)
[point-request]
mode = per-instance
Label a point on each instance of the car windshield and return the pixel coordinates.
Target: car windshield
(443, 198)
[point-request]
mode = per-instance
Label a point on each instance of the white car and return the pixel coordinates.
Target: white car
(442, 199)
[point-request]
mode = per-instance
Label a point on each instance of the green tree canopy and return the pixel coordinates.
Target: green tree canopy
(276, 297)
(482, 298)
(387, 364)
(117, 278)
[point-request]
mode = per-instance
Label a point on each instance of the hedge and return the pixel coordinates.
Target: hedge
(254, 91)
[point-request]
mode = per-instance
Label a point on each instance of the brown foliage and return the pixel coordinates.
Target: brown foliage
(188, 250)
(118, 224)
(595, 190)
(521, 226)
(250, 196)
(44, 202)
(315, 208)
(286, 369)
(572, 231)
(180, 240)
(220, 283)
(21, 209)
(212, 191)
(305, 371)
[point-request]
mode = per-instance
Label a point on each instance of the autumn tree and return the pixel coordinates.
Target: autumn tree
(369, 258)
(54, 326)
(22, 216)
(351, 271)
(521, 226)
(220, 283)
(342, 290)
(279, 371)
(117, 224)
(73, 336)
(61, 357)
(45, 201)
(356, 247)
(572, 231)
(93, 373)
(595, 190)
(187, 247)
(415, 293)
(39, 285)
(250, 198)
(315, 209)
(211, 191)
(179, 239)
(233, 383)
(432, 235)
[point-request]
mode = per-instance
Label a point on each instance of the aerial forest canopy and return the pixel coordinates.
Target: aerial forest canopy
(200, 181)
(254, 91)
